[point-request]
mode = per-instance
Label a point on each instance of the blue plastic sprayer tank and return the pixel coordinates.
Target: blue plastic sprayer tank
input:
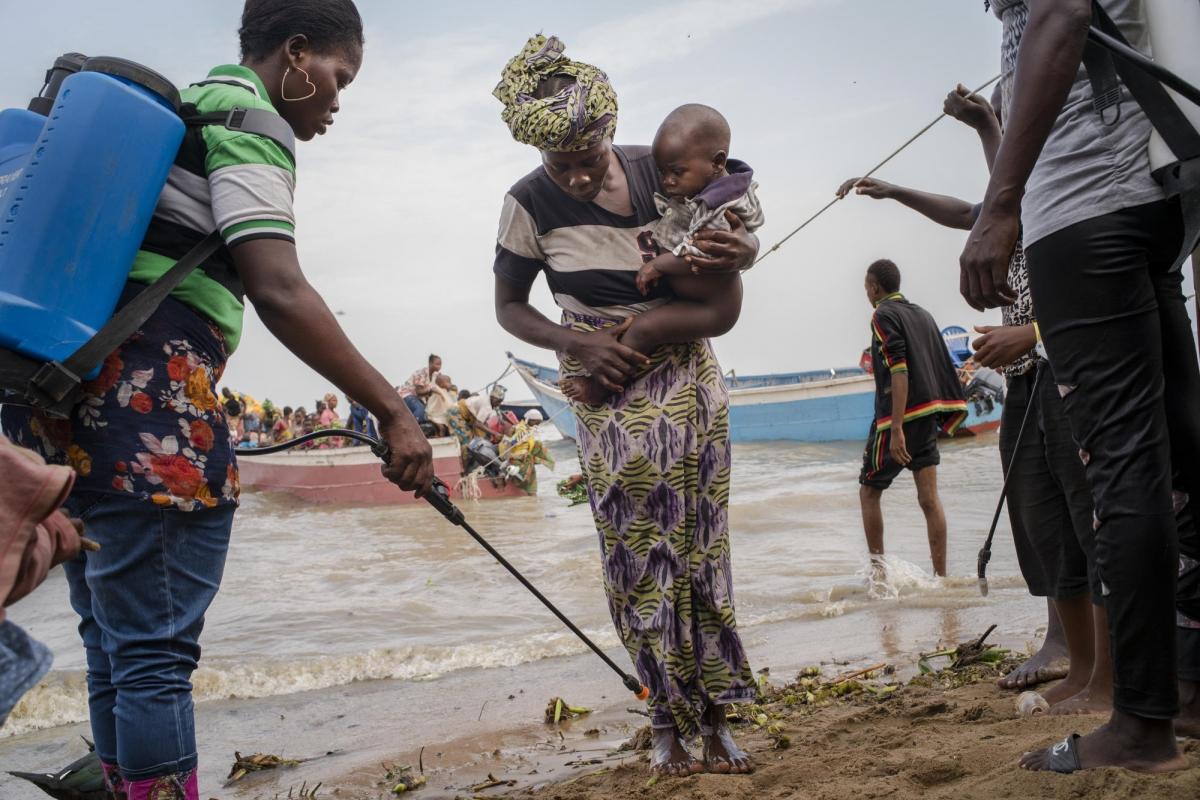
(78, 187)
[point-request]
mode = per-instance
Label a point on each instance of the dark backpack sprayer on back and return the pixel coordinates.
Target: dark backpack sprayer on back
(81, 171)
(1175, 149)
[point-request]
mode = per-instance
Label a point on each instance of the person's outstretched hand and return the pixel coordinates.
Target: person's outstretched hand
(969, 108)
(605, 357)
(871, 187)
(724, 251)
(411, 463)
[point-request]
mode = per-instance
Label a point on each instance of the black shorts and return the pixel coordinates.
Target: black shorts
(920, 436)
(1049, 500)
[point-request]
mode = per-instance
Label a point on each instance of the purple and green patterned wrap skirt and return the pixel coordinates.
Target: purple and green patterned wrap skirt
(657, 462)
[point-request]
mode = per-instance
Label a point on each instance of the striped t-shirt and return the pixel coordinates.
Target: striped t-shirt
(239, 183)
(590, 255)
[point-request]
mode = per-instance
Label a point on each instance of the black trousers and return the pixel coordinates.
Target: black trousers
(1049, 500)
(1113, 319)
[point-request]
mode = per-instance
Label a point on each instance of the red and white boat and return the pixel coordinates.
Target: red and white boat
(351, 475)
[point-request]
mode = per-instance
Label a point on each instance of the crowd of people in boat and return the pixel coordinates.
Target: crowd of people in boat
(494, 441)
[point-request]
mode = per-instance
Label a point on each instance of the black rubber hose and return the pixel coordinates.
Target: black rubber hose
(439, 498)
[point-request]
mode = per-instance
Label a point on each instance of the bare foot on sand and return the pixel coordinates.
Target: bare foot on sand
(587, 391)
(669, 758)
(1048, 664)
(721, 754)
(1134, 743)
(1065, 689)
(1188, 722)
(1089, 701)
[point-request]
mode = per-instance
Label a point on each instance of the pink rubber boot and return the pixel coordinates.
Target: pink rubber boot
(114, 784)
(179, 786)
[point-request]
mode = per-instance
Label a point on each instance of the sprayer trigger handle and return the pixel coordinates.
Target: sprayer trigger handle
(439, 498)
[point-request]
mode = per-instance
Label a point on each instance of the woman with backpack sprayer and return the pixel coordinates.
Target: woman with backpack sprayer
(158, 481)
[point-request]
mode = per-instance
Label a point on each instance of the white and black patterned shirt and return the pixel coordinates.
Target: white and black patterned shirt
(1020, 312)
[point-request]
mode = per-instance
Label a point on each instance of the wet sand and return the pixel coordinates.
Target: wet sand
(467, 724)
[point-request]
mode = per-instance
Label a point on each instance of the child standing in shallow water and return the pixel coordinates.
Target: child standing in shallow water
(704, 190)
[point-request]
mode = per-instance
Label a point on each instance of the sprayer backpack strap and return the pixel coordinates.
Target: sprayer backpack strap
(1103, 68)
(55, 387)
(1108, 55)
(257, 121)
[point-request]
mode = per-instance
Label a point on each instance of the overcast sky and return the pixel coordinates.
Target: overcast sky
(397, 206)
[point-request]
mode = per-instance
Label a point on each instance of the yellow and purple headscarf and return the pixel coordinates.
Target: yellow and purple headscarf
(576, 118)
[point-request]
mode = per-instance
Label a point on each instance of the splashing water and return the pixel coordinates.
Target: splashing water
(889, 577)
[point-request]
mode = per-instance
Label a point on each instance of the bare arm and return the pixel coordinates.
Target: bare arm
(899, 446)
(942, 209)
(977, 113)
(1047, 63)
(297, 316)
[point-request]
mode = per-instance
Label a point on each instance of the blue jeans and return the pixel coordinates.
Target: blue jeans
(360, 420)
(141, 601)
(416, 407)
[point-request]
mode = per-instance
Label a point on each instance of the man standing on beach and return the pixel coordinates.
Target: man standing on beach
(917, 395)
(1102, 243)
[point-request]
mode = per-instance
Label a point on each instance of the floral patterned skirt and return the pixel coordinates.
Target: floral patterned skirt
(657, 463)
(150, 424)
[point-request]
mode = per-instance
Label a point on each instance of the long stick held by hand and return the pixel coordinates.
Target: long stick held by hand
(868, 174)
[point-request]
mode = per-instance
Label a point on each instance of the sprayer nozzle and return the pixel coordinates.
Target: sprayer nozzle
(983, 585)
(644, 693)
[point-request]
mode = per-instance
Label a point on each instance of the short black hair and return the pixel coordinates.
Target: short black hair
(330, 25)
(886, 274)
(287, 411)
(434, 357)
(700, 124)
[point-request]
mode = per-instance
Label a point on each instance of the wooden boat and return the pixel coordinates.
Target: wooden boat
(351, 475)
(821, 406)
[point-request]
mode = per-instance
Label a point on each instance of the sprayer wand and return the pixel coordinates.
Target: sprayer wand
(985, 552)
(439, 498)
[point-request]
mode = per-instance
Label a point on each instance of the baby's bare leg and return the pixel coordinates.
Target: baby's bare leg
(705, 307)
(584, 389)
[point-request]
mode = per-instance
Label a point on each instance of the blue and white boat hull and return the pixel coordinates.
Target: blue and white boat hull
(825, 406)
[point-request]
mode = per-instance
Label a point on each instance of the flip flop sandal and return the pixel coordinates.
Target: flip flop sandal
(1064, 756)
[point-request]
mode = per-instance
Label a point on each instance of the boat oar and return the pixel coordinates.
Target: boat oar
(985, 553)
(439, 498)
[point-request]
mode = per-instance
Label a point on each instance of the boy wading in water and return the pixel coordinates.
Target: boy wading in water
(917, 394)
(705, 190)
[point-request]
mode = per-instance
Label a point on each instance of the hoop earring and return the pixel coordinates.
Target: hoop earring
(283, 86)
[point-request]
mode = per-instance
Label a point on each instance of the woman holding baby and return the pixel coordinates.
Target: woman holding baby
(652, 408)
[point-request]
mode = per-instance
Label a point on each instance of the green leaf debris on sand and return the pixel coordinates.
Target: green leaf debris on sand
(401, 779)
(558, 709)
(973, 651)
(244, 765)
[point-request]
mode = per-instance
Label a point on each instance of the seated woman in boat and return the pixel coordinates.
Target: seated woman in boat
(524, 450)
(658, 451)
(439, 401)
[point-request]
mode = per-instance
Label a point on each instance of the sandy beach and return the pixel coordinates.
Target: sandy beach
(406, 636)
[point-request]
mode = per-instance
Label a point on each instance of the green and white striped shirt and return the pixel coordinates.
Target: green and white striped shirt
(239, 183)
